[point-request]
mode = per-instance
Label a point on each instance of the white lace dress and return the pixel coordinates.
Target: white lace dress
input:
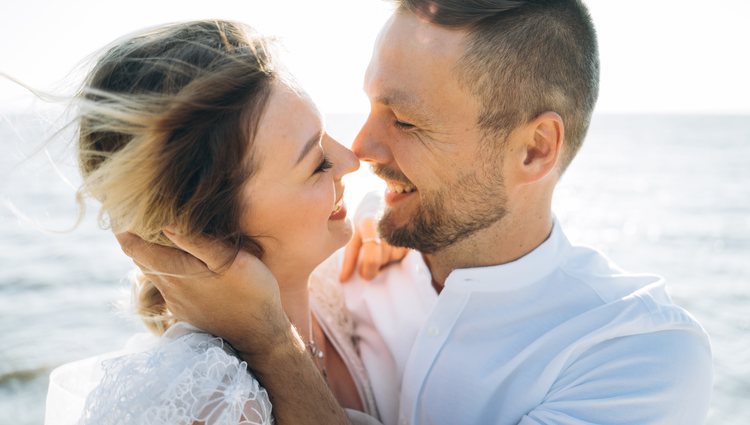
(188, 376)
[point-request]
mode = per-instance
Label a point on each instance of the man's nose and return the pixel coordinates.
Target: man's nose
(370, 145)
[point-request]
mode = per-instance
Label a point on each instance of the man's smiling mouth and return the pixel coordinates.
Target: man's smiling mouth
(397, 187)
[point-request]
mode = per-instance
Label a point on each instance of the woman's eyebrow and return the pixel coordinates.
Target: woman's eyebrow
(314, 141)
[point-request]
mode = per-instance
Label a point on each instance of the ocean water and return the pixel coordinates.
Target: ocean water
(662, 194)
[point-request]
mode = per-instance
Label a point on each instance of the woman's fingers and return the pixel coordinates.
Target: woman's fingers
(371, 250)
(372, 258)
(367, 249)
(368, 254)
(351, 254)
(396, 254)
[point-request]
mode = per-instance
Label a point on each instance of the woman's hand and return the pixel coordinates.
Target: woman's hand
(238, 301)
(373, 252)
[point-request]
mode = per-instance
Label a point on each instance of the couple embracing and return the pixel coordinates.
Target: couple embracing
(216, 172)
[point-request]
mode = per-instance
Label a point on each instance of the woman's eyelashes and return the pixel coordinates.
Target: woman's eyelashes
(324, 166)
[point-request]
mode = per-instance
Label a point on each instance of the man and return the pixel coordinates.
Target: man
(478, 107)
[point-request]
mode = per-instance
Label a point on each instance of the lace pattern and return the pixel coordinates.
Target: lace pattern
(189, 377)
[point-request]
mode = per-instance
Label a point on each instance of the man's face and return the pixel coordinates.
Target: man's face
(444, 178)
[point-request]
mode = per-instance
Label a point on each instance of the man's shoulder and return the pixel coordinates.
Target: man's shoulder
(659, 360)
(593, 270)
(615, 303)
(629, 310)
(629, 343)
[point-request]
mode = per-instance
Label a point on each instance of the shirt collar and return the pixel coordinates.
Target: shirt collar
(517, 274)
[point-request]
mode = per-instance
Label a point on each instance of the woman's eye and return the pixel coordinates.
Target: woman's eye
(324, 166)
(403, 125)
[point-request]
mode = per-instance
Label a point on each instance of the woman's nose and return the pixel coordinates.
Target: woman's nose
(344, 160)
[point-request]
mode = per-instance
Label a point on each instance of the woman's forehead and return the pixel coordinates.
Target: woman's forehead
(288, 124)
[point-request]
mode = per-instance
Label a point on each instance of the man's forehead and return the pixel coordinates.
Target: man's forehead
(413, 51)
(407, 32)
(413, 67)
(406, 102)
(397, 97)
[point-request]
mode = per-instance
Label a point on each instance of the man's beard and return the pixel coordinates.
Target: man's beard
(448, 215)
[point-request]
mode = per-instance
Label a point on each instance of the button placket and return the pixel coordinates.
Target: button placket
(425, 350)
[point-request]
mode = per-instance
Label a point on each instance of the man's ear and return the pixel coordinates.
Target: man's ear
(544, 137)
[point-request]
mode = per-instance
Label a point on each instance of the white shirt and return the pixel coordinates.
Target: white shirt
(560, 336)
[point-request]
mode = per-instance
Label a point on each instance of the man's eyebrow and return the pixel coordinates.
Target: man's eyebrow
(404, 102)
(314, 141)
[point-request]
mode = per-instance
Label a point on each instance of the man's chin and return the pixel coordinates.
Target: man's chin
(389, 227)
(398, 231)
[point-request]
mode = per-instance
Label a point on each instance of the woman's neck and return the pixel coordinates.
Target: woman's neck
(293, 278)
(295, 299)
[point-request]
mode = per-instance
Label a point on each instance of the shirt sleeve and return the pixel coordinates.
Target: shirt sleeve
(660, 378)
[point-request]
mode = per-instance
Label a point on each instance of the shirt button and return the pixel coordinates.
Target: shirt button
(433, 331)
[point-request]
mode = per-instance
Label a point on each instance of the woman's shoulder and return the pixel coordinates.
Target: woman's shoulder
(188, 376)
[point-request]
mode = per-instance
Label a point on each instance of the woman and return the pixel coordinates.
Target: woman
(194, 128)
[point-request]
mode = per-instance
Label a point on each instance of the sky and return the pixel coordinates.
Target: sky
(658, 56)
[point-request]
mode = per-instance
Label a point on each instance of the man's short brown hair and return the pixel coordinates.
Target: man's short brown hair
(524, 57)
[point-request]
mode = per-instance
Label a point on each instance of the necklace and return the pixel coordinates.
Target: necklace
(318, 355)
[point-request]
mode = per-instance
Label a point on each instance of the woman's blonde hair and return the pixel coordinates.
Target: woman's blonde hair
(167, 120)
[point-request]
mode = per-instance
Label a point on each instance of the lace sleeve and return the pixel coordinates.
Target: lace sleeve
(183, 381)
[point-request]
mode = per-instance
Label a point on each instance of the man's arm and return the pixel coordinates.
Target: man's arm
(660, 378)
(298, 393)
(240, 303)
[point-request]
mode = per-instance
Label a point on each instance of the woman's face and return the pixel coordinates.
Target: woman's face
(294, 200)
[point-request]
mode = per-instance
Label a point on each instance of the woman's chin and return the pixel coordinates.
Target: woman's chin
(347, 232)
(339, 237)
(341, 231)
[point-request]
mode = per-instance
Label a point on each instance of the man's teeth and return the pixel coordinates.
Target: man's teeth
(401, 188)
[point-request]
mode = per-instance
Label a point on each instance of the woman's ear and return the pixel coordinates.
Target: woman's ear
(543, 146)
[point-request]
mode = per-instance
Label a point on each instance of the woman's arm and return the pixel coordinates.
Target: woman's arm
(185, 376)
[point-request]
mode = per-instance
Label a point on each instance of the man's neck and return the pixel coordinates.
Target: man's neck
(507, 240)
